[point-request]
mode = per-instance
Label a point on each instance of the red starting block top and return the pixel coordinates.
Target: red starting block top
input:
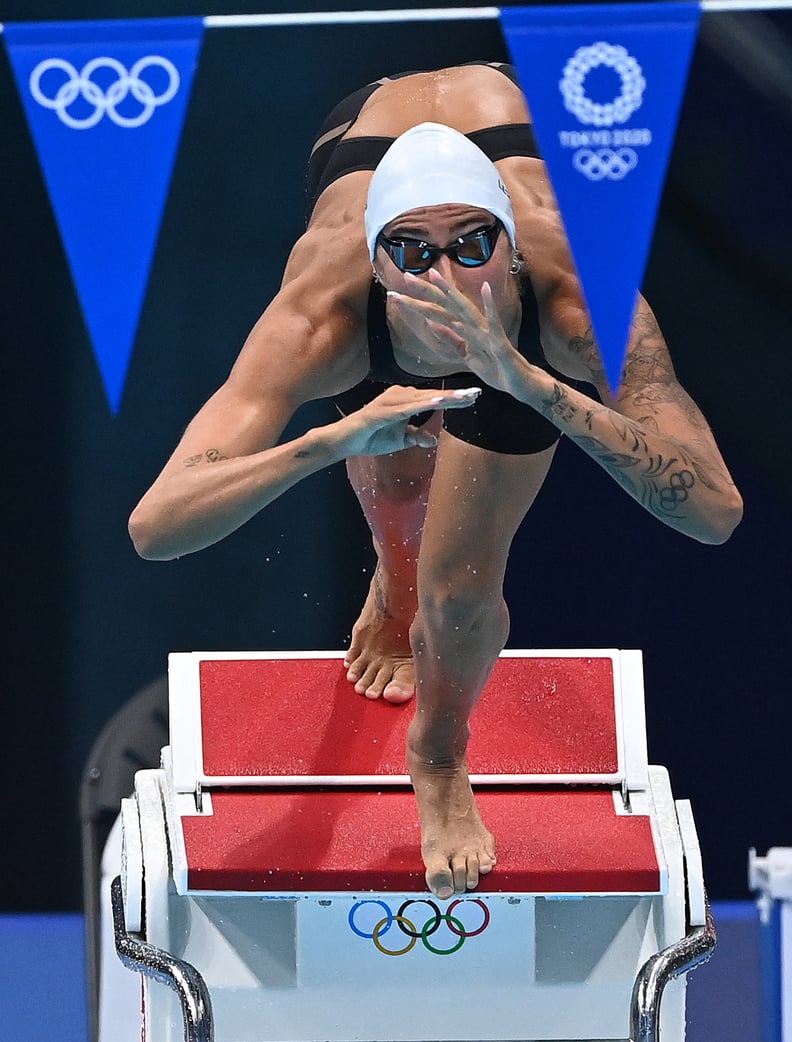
(548, 842)
(269, 735)
(239, 720)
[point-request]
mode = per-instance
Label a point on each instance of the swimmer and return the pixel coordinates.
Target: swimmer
(434, 298)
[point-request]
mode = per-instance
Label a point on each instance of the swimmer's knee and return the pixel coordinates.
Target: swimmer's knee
(464, 610)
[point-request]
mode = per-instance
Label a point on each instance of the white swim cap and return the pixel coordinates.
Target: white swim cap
(430, 165)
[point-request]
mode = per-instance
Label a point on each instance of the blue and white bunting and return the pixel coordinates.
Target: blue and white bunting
(604, 84)
(105, 102)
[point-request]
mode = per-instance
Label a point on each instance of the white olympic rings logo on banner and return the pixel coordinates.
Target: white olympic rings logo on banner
(572, 84)
(80, 84)
(613, 164)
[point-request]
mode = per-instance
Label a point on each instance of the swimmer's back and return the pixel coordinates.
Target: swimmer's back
(466, 97)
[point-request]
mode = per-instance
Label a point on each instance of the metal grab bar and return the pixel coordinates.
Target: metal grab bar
(183, 978)
(693, 950)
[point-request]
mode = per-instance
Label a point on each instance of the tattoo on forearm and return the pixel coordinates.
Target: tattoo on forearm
(662, 474)
(648, 363)
(210, 456)
(676, 491)
(558, 403)
(585, 347)
(649, 379)
(660, 483)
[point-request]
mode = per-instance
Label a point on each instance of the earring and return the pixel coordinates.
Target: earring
(516, 264)
(374, 275)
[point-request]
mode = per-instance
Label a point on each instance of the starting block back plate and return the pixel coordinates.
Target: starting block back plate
(268, 719)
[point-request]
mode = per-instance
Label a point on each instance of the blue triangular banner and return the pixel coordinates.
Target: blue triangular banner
(604, 84)
(105, 102)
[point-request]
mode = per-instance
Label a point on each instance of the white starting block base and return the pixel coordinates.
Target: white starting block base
(548, 948)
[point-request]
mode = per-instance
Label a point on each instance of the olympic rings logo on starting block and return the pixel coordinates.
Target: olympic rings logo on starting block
(414, 933)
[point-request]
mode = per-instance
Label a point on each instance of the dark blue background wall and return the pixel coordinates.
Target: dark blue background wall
(87, 623)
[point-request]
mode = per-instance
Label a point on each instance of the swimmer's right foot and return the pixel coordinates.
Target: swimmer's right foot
(379, 660)
(456, 847)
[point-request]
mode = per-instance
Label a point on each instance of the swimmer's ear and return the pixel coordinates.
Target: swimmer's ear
(519, 269)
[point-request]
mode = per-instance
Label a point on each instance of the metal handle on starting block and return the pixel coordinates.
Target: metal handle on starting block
(153, 962)
(695, 948)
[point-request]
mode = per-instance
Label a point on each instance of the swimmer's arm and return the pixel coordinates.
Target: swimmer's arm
(227, 467)
(650, 437)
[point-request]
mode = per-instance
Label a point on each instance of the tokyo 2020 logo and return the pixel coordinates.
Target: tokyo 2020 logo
(603, 154)
(573, 84)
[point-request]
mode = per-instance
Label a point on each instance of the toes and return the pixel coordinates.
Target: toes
(354, 666)
(377, 685)
(465, 872)
(401, 686)
(362, 676)
(378, 680)
(440, 880)
(458, 874)
(397, 693)
(487, 859)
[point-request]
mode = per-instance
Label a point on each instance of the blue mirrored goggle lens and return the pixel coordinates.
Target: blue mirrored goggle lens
(470, 251)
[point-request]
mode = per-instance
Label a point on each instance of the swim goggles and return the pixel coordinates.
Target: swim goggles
(470, 251)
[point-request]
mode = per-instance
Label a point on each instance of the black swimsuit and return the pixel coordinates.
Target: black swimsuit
(496, 421)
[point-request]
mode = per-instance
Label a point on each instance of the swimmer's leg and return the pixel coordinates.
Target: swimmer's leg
(393, 492)
(477, 500)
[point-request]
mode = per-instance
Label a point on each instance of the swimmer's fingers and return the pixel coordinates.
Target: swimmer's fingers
(400, 403)
(416, 309)
(383, 425)
(441, 295)
(496, 339)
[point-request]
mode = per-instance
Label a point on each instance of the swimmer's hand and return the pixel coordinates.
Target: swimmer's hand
(459, 330)
(383, 425)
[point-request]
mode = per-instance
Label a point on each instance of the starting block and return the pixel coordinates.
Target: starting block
(272, 873)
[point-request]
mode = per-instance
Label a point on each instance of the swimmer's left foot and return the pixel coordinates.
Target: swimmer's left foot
(456, 847)
(379, 661)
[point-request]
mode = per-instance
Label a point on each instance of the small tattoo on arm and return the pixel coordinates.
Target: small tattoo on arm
(211, 456)
(558, 403)
(677, 490)
(585, 348)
